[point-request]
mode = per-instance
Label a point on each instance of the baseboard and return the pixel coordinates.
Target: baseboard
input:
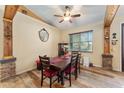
(112, 69)
(97, 65)
(116, 70)
(26, 70)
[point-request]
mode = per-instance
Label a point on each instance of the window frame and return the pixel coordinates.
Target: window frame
(81, 42)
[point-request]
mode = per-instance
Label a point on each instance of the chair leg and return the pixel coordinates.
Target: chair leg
(70, 79)
(76, 74)
(79, 68)
(62, 78)
(58, 79)
(50, 82)
(41, 79)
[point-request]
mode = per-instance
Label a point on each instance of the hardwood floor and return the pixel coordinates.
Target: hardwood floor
(88, 78)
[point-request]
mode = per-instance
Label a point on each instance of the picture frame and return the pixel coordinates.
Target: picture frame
(43, 35)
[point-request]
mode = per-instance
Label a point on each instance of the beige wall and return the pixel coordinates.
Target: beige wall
(97, 28)
(116, 49)
(27, 45)
(1, 33)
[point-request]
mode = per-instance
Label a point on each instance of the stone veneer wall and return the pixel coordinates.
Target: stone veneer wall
(7, 69)
(107, 61)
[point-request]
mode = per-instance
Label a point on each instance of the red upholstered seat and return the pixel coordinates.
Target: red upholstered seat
(49, 73)
(69, 70)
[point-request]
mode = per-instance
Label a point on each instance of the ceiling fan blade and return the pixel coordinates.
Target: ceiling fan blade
(58, 15)
(61, 21)
(70, 21)
(76, 15)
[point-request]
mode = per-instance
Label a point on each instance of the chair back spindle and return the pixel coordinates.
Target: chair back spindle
(79, 58)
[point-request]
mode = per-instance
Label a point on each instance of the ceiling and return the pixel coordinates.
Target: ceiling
(120, 12)
(89, 14)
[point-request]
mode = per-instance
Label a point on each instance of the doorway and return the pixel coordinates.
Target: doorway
(122, 43)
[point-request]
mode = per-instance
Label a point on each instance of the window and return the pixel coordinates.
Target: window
(81, 41)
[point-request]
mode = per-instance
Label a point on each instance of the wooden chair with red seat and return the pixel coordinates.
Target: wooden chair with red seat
(72, 68)
(47, 70)
(78, 60)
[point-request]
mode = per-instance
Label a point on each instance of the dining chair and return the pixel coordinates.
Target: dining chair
(47, 70)
(78, 59)
(78, 62)
(72, 68)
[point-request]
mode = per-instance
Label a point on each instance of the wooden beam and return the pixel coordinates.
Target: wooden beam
(106, 40)
(7, 38)
(111, 11)
(4, 19)
(9, 13)
(22, 9)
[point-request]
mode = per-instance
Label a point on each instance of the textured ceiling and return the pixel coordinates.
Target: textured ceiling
(89, 14)
(120, 12)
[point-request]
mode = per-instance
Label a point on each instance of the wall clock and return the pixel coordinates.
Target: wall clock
(43, 35)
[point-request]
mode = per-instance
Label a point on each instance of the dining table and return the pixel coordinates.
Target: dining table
(61, 63)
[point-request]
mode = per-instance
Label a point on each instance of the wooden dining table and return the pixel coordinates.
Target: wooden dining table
(61, 63)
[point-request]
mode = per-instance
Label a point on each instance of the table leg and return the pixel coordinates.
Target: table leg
(62, 78)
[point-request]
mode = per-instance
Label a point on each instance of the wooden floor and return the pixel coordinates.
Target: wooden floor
(88, 78)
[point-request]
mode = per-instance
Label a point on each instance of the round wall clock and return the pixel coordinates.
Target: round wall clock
(44, 35)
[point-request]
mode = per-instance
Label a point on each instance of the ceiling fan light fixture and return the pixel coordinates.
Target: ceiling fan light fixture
(67, 15)
(66, 18)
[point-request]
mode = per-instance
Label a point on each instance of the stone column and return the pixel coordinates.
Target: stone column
(7, 38)
(107, 57)
(107, 61)
(7, 68)
(7, 63)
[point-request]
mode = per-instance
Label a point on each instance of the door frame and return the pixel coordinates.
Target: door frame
(122, 45)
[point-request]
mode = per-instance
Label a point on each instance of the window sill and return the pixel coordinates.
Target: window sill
(84, 51)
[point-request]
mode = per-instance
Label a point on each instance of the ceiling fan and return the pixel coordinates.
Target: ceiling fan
(67, 15)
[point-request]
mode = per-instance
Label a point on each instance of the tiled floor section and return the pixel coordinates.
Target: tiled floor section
(88, 78)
